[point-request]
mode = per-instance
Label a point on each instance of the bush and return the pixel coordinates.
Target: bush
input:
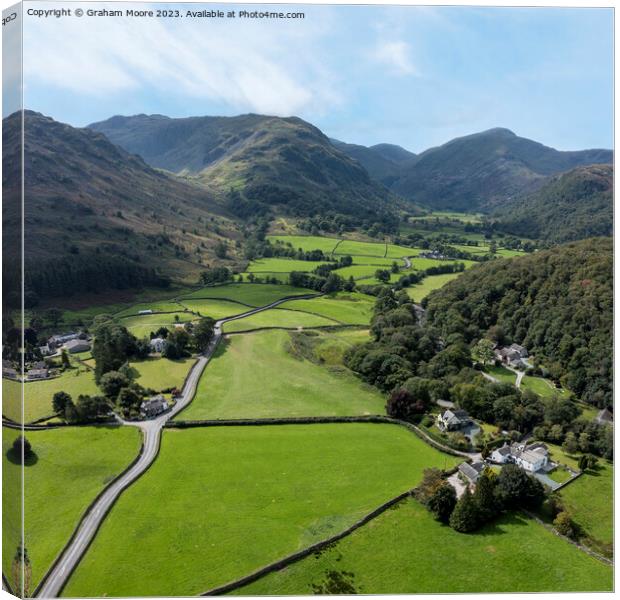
(442, 503)
(464, 517)
(564, 524)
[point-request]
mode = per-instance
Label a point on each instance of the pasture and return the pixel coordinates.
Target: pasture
(306, 242)
(433, 282)
(257, 375)
(38, 394)
(71, 465)
(251, 294)
(216, 309)
(501, 374)
(278, 317)
(282, 265)
(256, 494)
(351, 308)
(542, 387)
(143, 325)
(161, 373)
(403, 550)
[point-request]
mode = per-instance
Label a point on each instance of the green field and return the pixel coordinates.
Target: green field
(143, 325)
(156, 307)
(282, 265)
(278, 317)
(38, 394)
(306, 242)
(589, 500)
(419, 291)
(71, 466)
(543, 387)
(252, 294)
(501, 374)
(161, 373)
(253, 495)
(350, 308)
(216, 309)
(405, 551)
(282, 278)
(354, 248)
(376, 261)
(255, 375)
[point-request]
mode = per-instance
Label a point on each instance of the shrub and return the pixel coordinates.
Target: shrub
(564, 524)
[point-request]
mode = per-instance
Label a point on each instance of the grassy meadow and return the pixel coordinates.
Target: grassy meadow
(251, 294)
(278, 317)
(351, 308)
(216, 309)
(71, 465)
(280, 487)
(260, 375)
(419, 291)
(161, 373)
(403, 551)
(142, 325)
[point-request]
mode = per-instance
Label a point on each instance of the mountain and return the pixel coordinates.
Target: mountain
(486, 170)
(571, 206)
(558, 303)
(97, 217)
(384, 162)
(256, 163)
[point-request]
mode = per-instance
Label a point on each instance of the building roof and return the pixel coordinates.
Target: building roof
(504, 450)
(605, 416)
(38, 372)
(469, 471)
(531, 456)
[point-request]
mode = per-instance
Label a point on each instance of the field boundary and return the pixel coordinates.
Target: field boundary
(269, 328)
(87, 511)
(317, 547)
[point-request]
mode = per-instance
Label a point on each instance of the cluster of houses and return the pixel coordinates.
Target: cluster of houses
(514, 355)
(530, 457)
(435, 254)
(36, 370)
(71, 342)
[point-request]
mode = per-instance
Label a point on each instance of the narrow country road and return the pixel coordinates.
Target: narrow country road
(57, 577)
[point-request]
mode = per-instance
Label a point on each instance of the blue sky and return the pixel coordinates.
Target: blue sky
(414, 76)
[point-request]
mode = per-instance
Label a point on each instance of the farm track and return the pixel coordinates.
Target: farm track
(62, 568)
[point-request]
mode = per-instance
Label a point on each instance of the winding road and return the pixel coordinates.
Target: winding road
(57, 576)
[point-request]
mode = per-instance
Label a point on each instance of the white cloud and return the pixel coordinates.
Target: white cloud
(396, 56)
(265, 67)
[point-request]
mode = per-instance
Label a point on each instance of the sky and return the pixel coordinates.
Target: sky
(413, 76)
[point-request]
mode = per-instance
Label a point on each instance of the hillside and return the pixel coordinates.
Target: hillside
(572, 206)
(558, 303)
(256, 163)
(97, 217)
(384, 162)
(486, 170)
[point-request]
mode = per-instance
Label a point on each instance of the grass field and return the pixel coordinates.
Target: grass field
(306, 242)
(354, 248)
(501, 374)
(72, 465)
(405, 550)
(350, 308)
(216, 309)
(252, 294)
(157, 307)
(278, 317)
(255, 495)
(542, 387)
(142, 326)
(589, 500)
(282, 265)
(419, 291)
(38, 394)
(162, 373)
(255, 375)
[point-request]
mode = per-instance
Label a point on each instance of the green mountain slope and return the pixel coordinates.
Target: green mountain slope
(98, 218)
(256, 163)
(486, 170)
(572, 206)
(558, 303)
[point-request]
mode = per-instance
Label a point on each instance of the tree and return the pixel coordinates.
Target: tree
(333, 283)
(60, 400)
(128, 401)
(64, 357)
(113, 346)
(382, 275)
(432, 480)
(221, 249)
(570, 445)
(485, 495)
(203, 333)
(483, 350)
(442, 502)
(516, 489)
(464, 517)
(112, 383)
(564, 524)
(89, 408)
(403, 405)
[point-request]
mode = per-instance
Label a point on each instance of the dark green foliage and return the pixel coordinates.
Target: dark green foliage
(442, 503)
(60, 400)
(515, 488)
(336, 582)
(203, 333)
(112, 347)
(465, 517)
(177, 344)
(557, 303)
(112, 382)
(128, 402)
(571, 206)
(215, 275)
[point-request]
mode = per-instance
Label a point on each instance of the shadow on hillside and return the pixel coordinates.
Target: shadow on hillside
(15, 457)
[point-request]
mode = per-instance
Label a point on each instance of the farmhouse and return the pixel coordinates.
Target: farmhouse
(453, 419)
(37, 374)
(532, 457)
(158, 344)
(605, 416)
(58, 340)
(45, 350)
(9, 372)
(471, 473)
(75, 346)
(512, 355)
(153, 406)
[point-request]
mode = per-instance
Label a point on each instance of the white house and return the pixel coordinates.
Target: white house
(532, 457)
(157, 344)
(453, 419)
(37, 374)
(75, 346)
(501, 455)
(153, 406)
(45, 350)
